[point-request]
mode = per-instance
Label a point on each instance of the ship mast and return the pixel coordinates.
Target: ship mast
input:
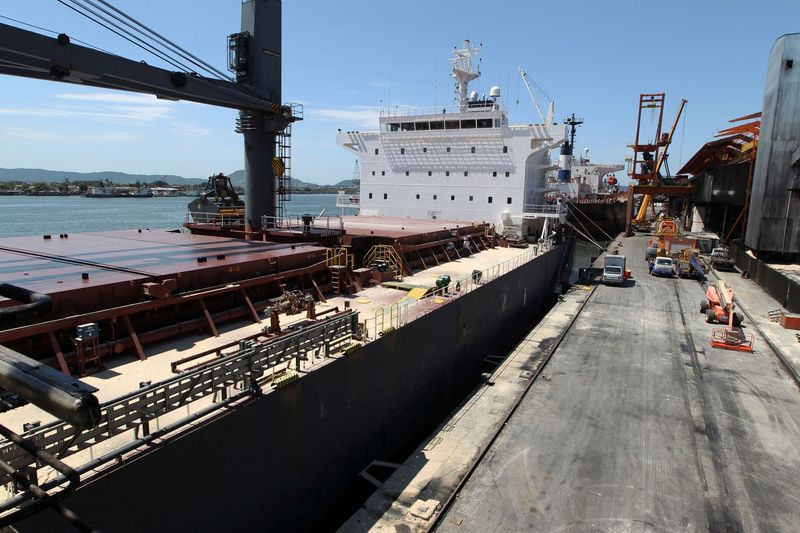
(463, 71)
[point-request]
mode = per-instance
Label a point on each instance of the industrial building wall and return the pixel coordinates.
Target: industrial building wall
(277, 462)
(774, 220)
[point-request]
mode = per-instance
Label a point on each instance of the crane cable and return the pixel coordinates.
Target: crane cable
(34, 26)
(169, 44)
(119, 31)
(150, 48)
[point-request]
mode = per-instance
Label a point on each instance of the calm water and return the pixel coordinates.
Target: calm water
(38, 215)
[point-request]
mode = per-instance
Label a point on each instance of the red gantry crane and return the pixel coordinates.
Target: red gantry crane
(649, 157)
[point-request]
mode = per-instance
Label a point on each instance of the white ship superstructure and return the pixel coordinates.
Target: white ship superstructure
(466, 163)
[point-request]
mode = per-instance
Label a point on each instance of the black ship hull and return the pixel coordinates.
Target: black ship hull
(598, 220)
(295, 450)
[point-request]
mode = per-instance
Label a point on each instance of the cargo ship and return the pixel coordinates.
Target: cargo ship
(464, 162)
(255, 362)
(596, 207)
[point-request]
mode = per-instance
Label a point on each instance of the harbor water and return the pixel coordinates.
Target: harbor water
(39, 215)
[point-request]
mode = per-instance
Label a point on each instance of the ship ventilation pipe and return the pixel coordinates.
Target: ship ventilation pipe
(565, 163)
(60, 395)
(36, 304)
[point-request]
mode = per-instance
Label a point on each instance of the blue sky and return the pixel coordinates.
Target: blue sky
(342, 59)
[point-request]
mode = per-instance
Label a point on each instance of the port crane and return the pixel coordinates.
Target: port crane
(648, 159)
(254, 55)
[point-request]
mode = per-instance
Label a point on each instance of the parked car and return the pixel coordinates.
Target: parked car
(663, 266)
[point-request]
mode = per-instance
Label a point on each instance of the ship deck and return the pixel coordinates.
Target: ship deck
(88, 263)
(379, 307)
(615, 413)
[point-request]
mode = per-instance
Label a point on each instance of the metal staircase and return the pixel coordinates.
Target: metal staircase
(282, 163)
(340, 262)
(385, 253)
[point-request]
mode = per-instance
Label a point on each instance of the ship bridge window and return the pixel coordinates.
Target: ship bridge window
(484, 123)
(394, 126)
(467, 124)
(407, 126)
(437, 125)
(422, 126)
(451, 124)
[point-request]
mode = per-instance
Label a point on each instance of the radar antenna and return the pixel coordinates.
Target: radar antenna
(463, 71)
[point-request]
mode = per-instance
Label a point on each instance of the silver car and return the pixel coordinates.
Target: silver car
(663, 266)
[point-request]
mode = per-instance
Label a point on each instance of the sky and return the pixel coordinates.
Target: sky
(345, 59)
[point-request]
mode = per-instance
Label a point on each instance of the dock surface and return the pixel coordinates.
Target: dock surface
(635, 424)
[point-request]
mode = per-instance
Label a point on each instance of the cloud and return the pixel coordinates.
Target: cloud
(116, 114)
(113, 97)
(38, 134)
(362, 117)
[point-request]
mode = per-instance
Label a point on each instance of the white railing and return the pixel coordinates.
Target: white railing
(399, 314)
(328, 225)
(348, 200)
(558, 210)
(409, 111)
(214, 219)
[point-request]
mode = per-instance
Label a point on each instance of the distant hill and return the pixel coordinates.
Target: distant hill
(349, 184)
(38, 175)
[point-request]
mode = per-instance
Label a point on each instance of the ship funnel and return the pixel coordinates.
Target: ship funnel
(565, 162)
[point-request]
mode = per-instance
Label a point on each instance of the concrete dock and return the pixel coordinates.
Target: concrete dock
(616, 414)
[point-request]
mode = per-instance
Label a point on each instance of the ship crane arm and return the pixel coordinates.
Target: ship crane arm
(31, 55)
(550, 111)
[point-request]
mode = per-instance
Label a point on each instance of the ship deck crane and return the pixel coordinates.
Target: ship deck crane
(256, 92)
(548, 119)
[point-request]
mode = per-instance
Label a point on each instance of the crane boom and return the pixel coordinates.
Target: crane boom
(524, 77)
